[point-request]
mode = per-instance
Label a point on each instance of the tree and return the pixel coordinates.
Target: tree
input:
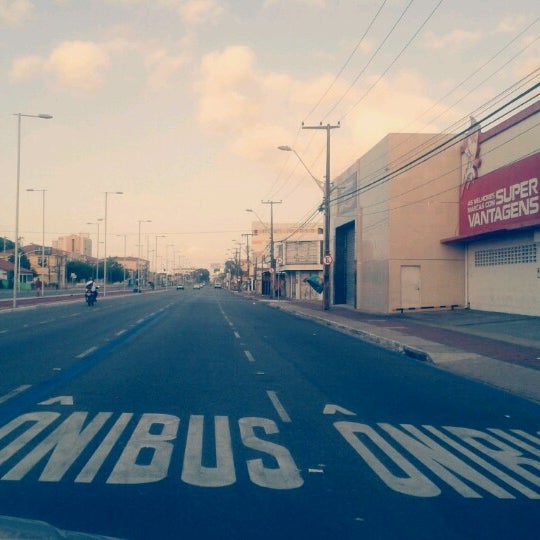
(7, 244)
(81, 269)
(115, 271)
(25, 263)
(201, 275)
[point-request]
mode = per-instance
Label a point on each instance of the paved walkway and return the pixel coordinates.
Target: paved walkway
(499, 349)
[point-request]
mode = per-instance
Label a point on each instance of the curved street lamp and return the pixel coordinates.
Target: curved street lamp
(16, 266)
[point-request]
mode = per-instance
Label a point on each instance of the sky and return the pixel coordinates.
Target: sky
(182, 104)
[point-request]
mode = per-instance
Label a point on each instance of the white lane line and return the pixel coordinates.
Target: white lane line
(249, 356)
(121, 332)
(86, 353)
(236, 335)
(280, 409)
(14, 392)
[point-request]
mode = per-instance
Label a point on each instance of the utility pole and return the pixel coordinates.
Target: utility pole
(327, 258)
(272, 259)
(247, 235)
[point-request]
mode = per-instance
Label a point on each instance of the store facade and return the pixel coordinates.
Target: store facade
(499, 215)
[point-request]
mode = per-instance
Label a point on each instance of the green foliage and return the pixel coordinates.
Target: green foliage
(201, 275)
(82, 270)
(6, 244)
(115, 271)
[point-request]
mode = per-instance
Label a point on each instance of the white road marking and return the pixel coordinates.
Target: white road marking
(61, 400)
(236, 335)
(119, 333)
(14, 392)
(333, 409)
(249, 356)
(280, 409)
(87, 352)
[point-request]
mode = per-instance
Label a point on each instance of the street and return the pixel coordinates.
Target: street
(205, 414)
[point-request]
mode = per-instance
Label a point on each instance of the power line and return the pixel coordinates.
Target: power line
(363, 70)
(413, 37)
(325, 93)
(433, 151)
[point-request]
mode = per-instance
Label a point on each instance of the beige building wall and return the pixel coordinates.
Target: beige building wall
(423, 210)
(79, 244)
(399, 222)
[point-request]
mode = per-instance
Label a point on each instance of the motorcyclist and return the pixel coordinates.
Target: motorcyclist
(92, 287)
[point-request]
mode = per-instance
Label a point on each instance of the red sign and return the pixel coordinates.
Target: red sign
(505, 198)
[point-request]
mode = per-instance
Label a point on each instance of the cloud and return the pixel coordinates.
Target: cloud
(162, 67)
(227, 89)
(457, 39)
(15, 12)
(511, 24)
(79, 65)
(196, 12)
(25, 68)
(82, 66)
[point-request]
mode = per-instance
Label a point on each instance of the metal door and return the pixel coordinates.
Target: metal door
(410, 286)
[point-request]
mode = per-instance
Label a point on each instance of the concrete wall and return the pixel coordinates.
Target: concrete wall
(400, 221)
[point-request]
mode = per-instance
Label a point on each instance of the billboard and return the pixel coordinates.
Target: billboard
(507, 198)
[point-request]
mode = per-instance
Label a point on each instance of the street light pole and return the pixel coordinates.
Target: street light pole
(42, 237)
(97, 245)
(124, 264)
(272, 259)
(139, 255)
(155, 259)
(105, 243)
(247, 235)
(16, 265)
(327, 256)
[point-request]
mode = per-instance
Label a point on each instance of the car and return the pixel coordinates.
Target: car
(197, 286)
(180, 287)
(217, 285)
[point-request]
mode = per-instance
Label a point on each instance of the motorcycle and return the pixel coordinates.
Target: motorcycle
(90, 297)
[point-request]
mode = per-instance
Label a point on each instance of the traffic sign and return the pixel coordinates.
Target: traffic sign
(328, 260)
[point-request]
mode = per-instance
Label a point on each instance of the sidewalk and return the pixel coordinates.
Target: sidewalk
(499, 349)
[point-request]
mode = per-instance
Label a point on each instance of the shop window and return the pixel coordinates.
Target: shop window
(506, 255)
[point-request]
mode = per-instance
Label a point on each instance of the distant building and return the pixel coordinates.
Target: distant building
(297, 251)
(7, 270)
(78, 244)
(51, 268)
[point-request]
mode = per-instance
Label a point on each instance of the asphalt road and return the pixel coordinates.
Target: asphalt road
(202, 414)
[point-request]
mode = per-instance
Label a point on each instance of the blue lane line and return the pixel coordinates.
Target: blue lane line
(16, 406)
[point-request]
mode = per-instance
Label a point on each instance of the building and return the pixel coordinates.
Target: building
(499, 215)
(78, 244)
(459, 228)
(295, 260)
(7, 270)
(51, 268)
(298, 263)
(387, 225)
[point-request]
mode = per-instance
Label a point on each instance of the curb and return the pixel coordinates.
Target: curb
(387, 343)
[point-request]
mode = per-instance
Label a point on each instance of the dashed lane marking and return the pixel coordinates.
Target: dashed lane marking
(249, 356)
(87, 352)
(14, 392)
(280, 409)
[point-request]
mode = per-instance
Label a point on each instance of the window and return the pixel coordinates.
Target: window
(505, 255)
